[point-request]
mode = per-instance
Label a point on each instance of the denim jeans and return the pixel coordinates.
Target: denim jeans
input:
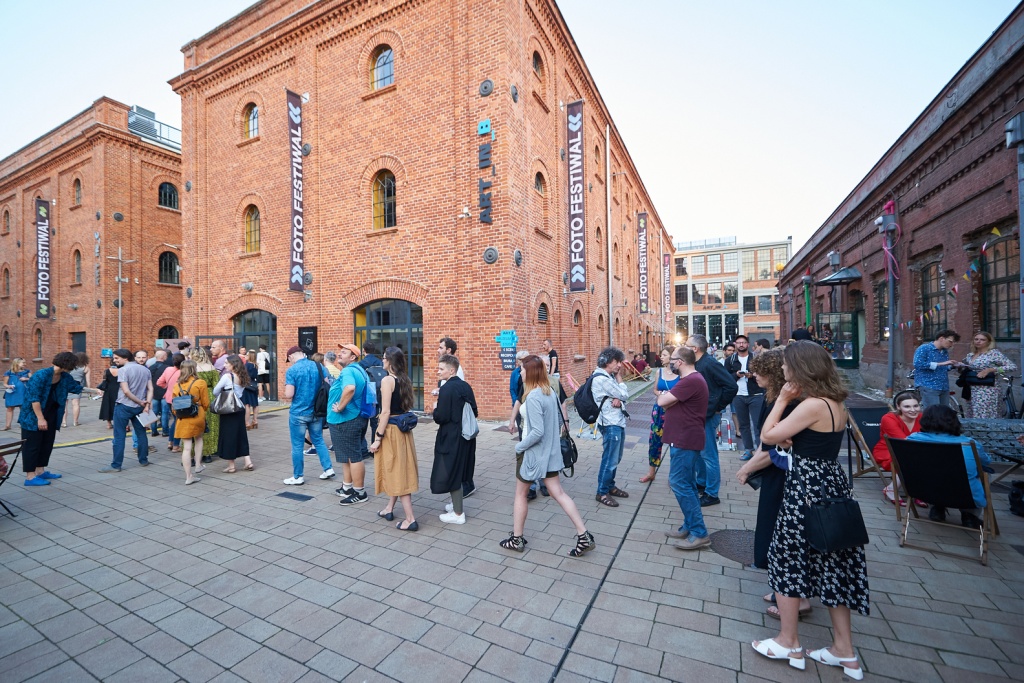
(298, 425)
(933, 397)
(161, 416)
(748, 410)
(681, 481)
(123, 415)
(170, 422)
(709, 474)
(613, 441)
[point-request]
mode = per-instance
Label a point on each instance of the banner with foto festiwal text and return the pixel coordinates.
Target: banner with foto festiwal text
(297, 236)
(641, 262)
(44, 304)
(575, 158)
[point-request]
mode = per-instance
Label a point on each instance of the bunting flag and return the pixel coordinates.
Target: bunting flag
(966, 277)
(995, 231)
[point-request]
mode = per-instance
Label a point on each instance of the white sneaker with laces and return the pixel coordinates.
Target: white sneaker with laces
(294, 481)
(452, 518)
(328, 474)
(449, 507)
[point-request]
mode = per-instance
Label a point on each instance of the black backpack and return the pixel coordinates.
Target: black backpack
(586, 406)
(1017, 497)
(321, 399)
(376, 373)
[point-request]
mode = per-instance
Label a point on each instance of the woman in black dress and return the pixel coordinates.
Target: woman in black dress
(250, 397)
(232, 441)
(795, 570)
(452, 453)
(110, 387)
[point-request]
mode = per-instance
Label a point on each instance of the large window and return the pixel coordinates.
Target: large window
(882, 306)
(169, 270)
(250, 121)
(731, 261)
(697, 265)
(764, 304)
(1000, 279)
(168, 196)
(714, 264)
(714, 293)
(384, 200)
(700, 293)
(750, 304)
(681, 298)
(681, 266)
(382, 68)
(732, 291)
(933, 289)
(252, 230)
(764, 264)
(748, 266)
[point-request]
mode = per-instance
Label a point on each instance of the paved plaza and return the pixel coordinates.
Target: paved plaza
(135, 577)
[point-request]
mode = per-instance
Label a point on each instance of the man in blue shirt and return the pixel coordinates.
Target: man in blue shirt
(348, 427)
(302, 381)
(932, 366)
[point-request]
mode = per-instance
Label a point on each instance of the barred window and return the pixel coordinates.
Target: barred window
(7, 282)
(681, 266)
(748, 266)
(384, 200)
(764, 304)
(252, 230)
(167, 332)
(765, 266)
(39, 343)
(382, 68)
(1000, 279)
(697, 265)
(933, 291)
(681, 295)
(168, 196)
(542, 313)
(732, 291)
(714, 264)
(250, 121)
(169, 269)
(7, 222)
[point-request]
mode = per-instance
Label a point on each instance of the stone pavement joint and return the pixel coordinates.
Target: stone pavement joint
(134, 577)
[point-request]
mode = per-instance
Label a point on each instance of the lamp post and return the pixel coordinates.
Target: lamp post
(806, 279)
(120, 281)
(1015, 138)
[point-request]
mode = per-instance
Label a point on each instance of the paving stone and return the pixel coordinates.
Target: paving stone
(64, 673)
(65, 625)
(332, 665)
(147, 670)
(623, 626)
(359, 642)
(195, 668)
(402, 624)
(514, 667)
(700, 646)
(227, 648)
(162, 647)
(293, 646)
(266, 666)
(412, 663)
(131, 627)
(108, 657)
(189, 626)
(40, 608)
(17, 636)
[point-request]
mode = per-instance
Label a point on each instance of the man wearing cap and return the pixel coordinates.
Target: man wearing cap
(134, 395)
(302, 381)
(347, 426)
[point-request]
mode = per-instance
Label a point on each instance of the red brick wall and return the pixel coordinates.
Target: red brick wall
(423, 129)
(118, 173)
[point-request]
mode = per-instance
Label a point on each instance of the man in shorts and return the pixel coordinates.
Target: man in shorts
(347, 426)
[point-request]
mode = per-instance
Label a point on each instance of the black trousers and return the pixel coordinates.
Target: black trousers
(38, 446)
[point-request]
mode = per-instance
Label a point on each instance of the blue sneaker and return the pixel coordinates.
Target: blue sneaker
(37, 481)
(50, 475)
(746, 456)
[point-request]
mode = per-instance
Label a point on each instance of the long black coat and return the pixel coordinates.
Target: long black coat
(454, 457)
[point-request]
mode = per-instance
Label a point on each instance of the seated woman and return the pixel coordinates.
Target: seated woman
(899, 424)
(940, 424)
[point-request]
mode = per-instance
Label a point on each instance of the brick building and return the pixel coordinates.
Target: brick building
(954, 188)
(418, 183)
(108, 179)
(722, 289)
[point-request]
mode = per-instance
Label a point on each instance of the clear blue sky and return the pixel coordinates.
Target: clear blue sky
(746, 118)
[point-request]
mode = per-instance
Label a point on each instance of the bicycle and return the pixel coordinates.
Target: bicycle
(952, 401)
(1008, 405)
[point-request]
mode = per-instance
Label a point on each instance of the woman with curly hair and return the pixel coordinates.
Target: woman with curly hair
(666, 380)
(796, 570)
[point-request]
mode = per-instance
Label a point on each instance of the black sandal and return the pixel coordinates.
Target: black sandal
(606, 500)
(618, 493)
(584, 542)
(390, 516)
(513, 542)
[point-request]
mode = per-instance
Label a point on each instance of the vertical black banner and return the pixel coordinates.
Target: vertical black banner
(44, 304)
(575, 158)
(641, 262)
(298, 240)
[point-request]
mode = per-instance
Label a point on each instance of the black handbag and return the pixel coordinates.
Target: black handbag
(569, 453)
(969, 378)
(833, 524)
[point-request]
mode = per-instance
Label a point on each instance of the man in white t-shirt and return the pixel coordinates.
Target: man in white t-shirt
(263, 373)
(749, 396)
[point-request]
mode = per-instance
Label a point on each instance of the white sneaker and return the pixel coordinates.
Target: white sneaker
(328, 474)
(452, 518)
(449, 507)
(294, 481)
(262, 399)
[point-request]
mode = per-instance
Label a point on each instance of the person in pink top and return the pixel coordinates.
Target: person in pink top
(167, 380)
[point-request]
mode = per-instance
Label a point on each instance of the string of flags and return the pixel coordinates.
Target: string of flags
(972, 268)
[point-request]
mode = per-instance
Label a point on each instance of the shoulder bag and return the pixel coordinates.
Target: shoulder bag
(405, 422)
(470, 428)
(183, 405)
(833, 524)
(569, 453)
(227, 402)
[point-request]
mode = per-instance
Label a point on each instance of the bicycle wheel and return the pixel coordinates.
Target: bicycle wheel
(955, 404)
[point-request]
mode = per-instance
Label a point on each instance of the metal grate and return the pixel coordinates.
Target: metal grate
(542, 313)
(295, 496)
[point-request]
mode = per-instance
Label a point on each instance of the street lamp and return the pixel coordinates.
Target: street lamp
(1015, 138)
(121, 280)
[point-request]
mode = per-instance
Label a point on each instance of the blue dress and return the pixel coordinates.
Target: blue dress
(16, 397)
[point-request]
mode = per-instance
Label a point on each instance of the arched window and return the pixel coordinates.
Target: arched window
(538, 182)
(168, 196)
(252, 229)
(7, 344)
(77, 192)
(384, 200)
(250, 121)
(167, 332)
(629, 271)
(169, 271)
(7, 221)
(597, 157)
(615, 258)
(538, 65)
(78, 266)
(600, 324)
(577, 318)
(7, 282)
(39, 343)
(382, 67)
(598, 234)
(542, 313)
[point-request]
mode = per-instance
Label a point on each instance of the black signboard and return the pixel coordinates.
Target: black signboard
(507, 354)
(307, 340)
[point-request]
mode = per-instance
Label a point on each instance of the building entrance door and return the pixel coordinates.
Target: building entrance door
(251, 328)
(393, 322)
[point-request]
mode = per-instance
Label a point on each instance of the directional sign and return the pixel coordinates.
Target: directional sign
(507, 354)
(507, 338)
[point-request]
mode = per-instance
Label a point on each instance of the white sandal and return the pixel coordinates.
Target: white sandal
(825, 657)
(772, 650)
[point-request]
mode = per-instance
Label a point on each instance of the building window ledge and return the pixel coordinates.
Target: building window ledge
(75, 284)
(540, 101)
(250, 254)
(380, 91)
(382, 231)
(74, 207)
(167, 208)
(249, 141)
(169, 284)
(543, 233)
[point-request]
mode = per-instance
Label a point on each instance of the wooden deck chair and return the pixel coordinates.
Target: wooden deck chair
(629, 371)
(7, 450)
(937, 474)
(864, 430)
(1015, 463)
